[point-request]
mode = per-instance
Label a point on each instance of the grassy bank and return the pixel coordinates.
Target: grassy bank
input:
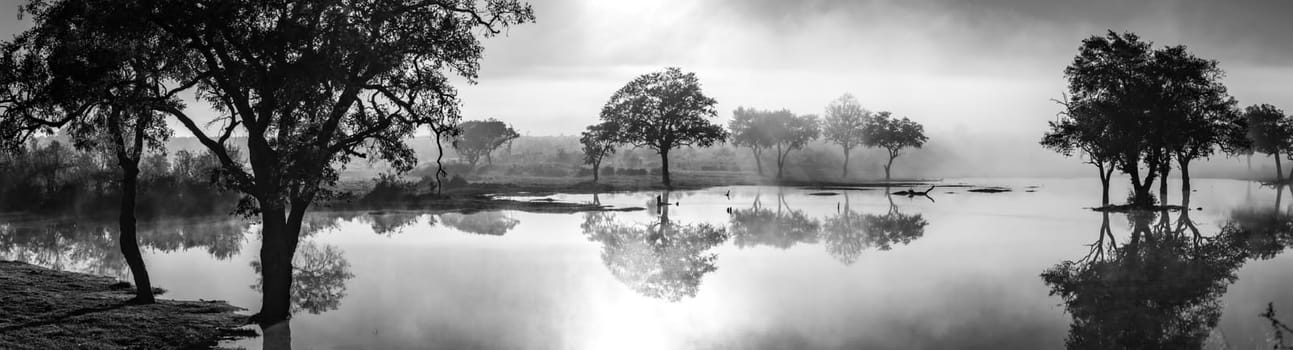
(46, 309)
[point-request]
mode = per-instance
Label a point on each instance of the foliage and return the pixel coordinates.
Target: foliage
(893, 134)
(1145, 107)
(309, 84)
(843, 125)
(480, 138)
(664, 110)
(598, 141)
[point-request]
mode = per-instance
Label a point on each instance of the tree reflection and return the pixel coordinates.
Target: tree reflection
(663, 259)
(1160, 289)
(494, 223)
(90, 246)
(849, 233)
(781, 228)
(390, 223)
(319, 275)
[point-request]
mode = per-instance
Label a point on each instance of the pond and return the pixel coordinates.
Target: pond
(747, 267)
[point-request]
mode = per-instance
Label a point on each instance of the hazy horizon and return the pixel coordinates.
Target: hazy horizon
(989, 66)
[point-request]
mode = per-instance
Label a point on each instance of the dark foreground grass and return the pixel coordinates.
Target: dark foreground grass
(46, 309)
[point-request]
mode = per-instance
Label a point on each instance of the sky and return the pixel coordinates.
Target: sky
(984, 67)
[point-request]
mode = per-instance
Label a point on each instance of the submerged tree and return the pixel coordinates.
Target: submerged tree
(893, 135)
(1081, 128)
(599, 140)
(319, 276)
(1200, 113)
(479, 138)
(1269, 131)
(843, 123)
(663, 111)
(309, 85)
(1153, 107)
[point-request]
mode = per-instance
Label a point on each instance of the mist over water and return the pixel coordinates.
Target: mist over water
(741, 267)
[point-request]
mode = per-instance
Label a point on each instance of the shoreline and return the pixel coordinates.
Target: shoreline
(49, 309)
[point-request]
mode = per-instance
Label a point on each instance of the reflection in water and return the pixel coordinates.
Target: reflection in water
(849, 233)
(319, 275)
(91, 247)
(389, 223)
(1161, 288)
(494, 223)
(781, 228)
(664, 259)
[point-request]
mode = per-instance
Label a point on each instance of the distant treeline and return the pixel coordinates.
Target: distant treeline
(53, 177)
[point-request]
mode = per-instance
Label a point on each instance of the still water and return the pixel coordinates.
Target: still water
(748, 267)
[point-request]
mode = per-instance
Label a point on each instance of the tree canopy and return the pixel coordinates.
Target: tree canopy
(843, 125)
(893, 135)
(598, 141)
(479, 138)
(309, 85)
(1139, 109)
(664, 110)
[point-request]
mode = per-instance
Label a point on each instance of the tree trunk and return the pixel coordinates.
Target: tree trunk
(781, 162)
(597, 169)
(1104, 184)
(1185, 183)
(278, 246)
(277, 336)
(128, 239)
(758, 161)
(664, 166)
(888, 166)
(1162, 182)
(1279, 170)
(845, 173)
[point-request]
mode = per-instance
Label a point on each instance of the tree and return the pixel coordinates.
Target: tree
(101, 81)
(1269, 131)
(1082, 128)
(664, 110)
(747, 130)
(843, 125)
(1159, 106)
(791, 132)
(1197, 112)
(599, 140)
(480, 138)
(893, 135)
(309, 85)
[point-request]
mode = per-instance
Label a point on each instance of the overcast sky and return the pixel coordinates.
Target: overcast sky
(982, 66)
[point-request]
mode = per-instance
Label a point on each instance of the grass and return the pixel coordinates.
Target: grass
(46, 309)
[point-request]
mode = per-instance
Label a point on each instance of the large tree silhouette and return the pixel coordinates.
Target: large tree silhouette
(1149, 107)
(101, 81)
(663, 111)
(308, 85)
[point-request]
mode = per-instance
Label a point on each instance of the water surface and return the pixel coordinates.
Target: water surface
(746, 267)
